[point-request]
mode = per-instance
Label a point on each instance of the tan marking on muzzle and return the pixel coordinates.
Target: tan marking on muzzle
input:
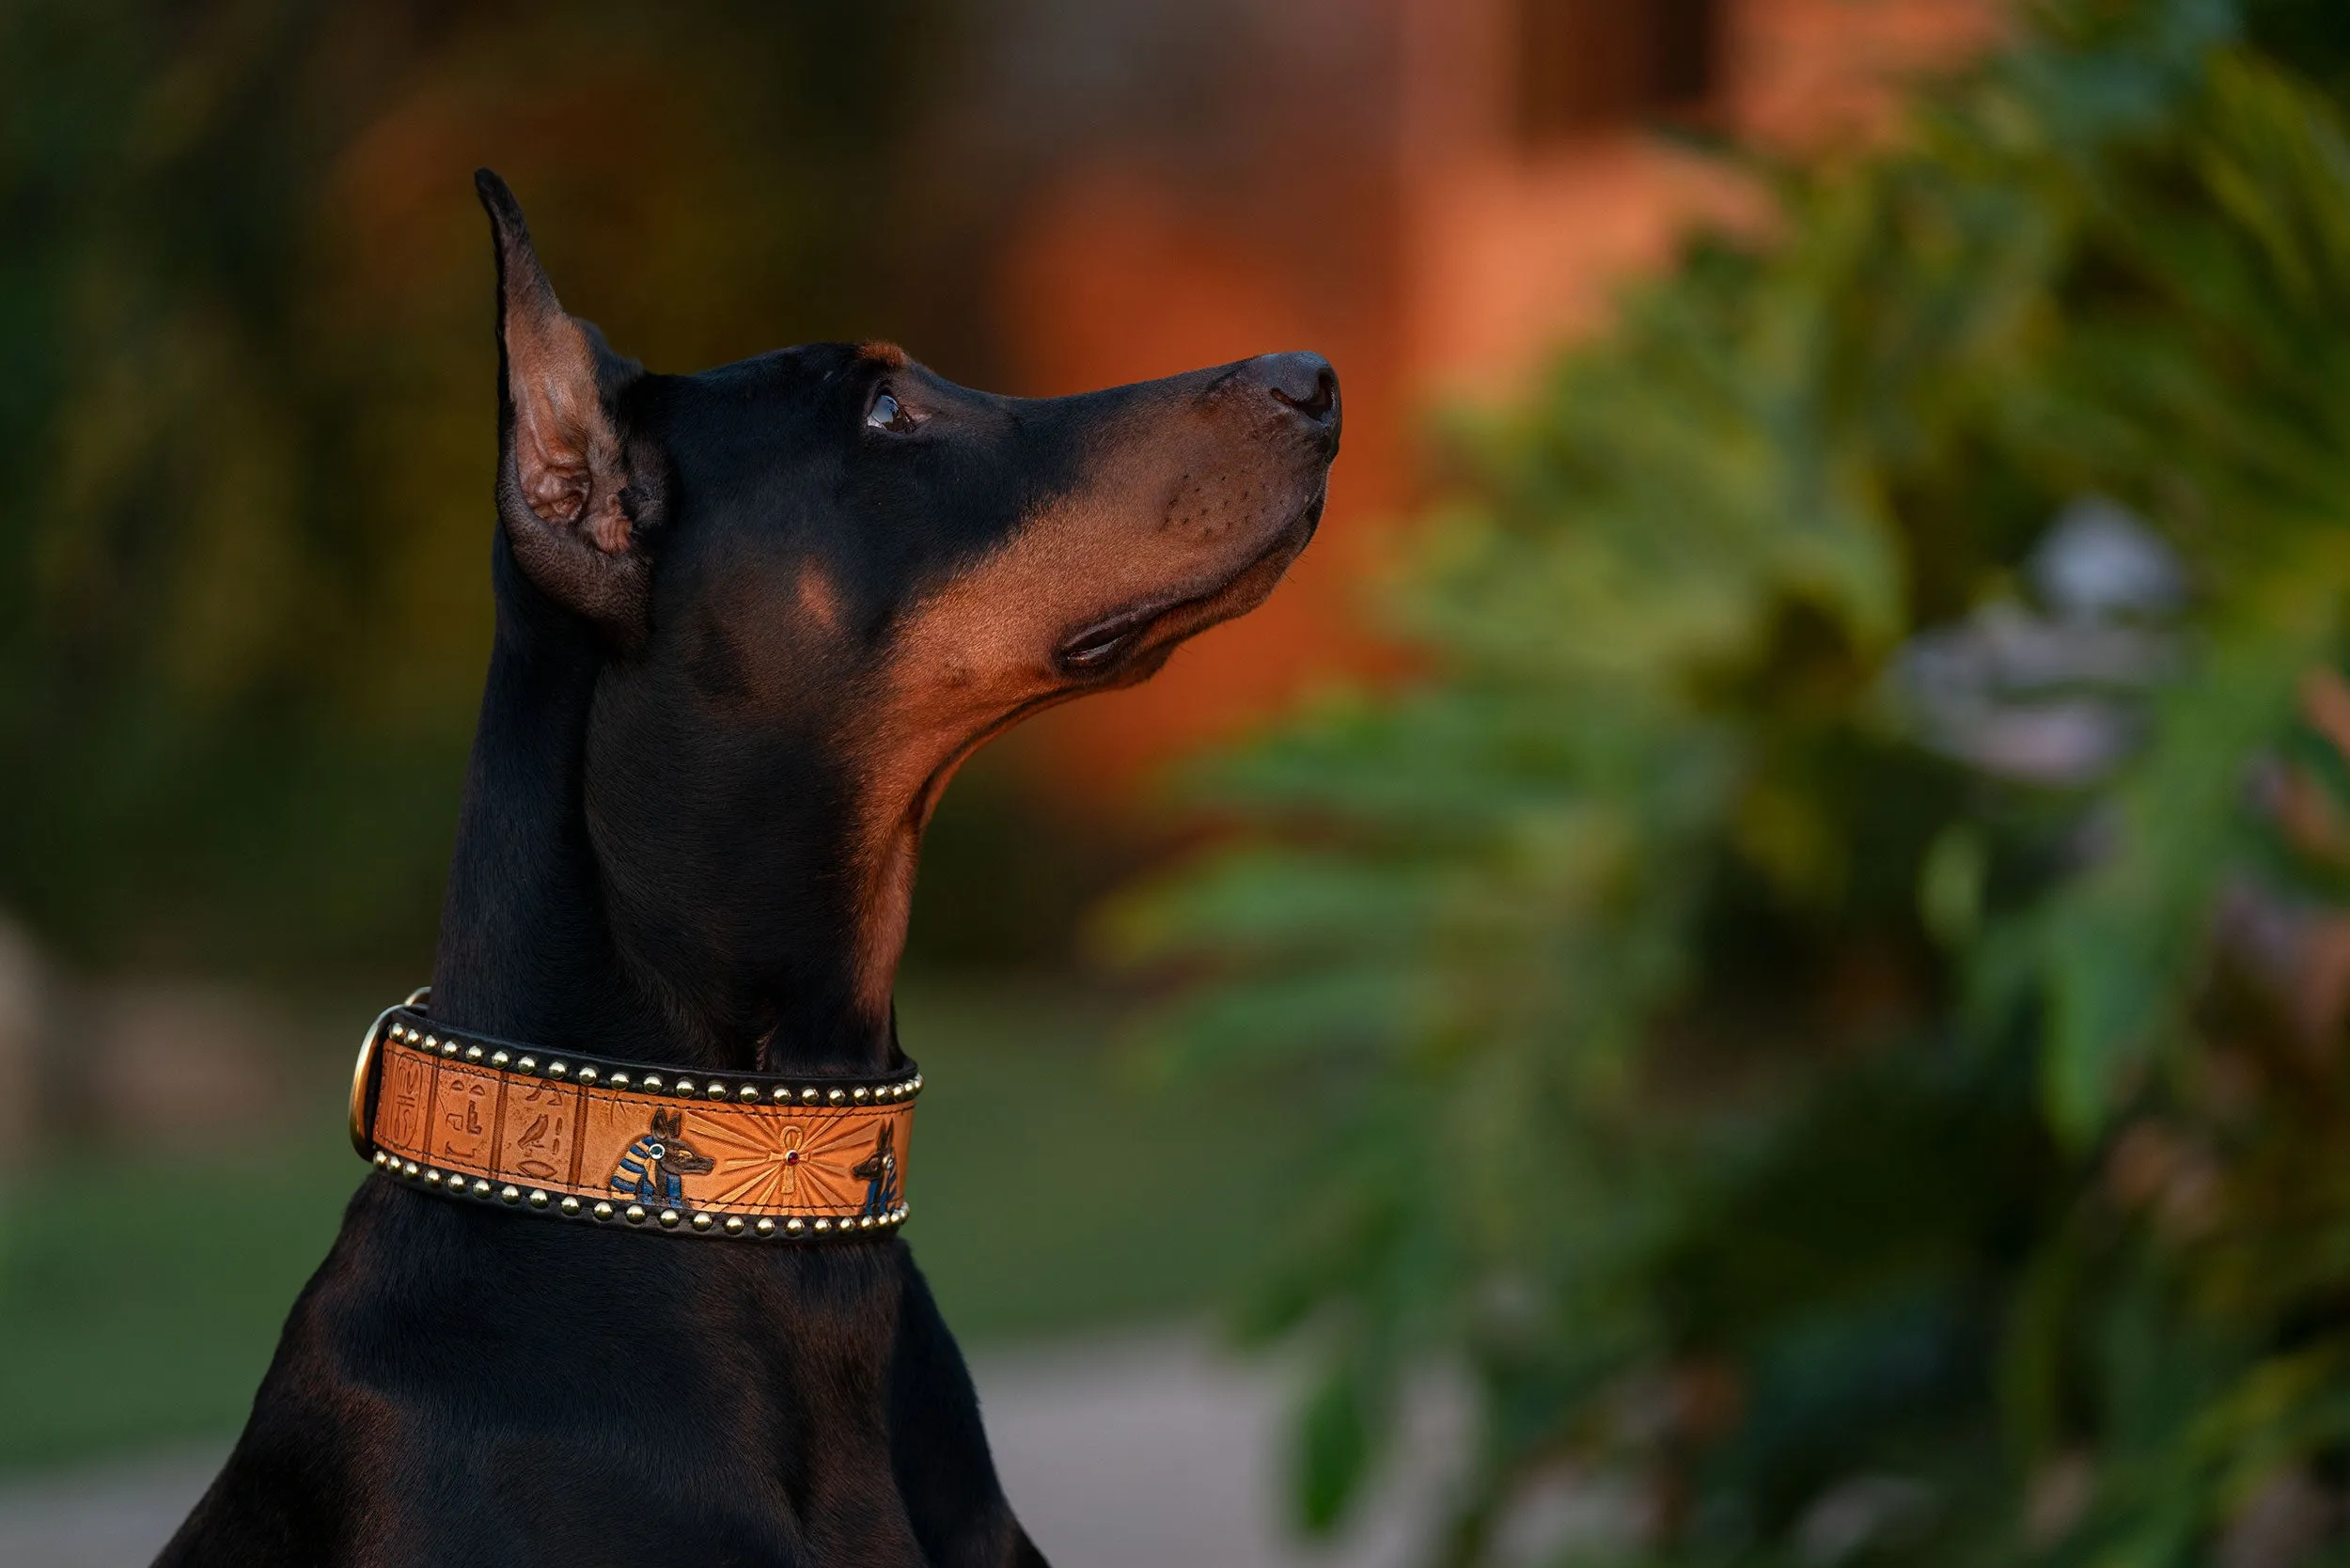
(1184, 508)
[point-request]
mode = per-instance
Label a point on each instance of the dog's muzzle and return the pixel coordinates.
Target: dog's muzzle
(749, 1156)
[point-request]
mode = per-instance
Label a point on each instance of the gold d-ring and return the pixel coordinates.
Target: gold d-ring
(362, 1076)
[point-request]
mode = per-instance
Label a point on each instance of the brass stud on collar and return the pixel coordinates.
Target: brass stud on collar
(765, 1226)
(783, 1092)
(865, 1222)
(408, 1167)
(448, 1047)
(703, 1222)
(473, 1053)
(528, 1064)
(499, 1059)
(808, 1096)
(432, 1178)
(509, 1194)
(747, 1093)
(602, 1210)
(734, 1225)
(634, 1214)
(669, 1219)
(480, 1187)
(651, 1083)
(860, 1094)
(794, 1225)
(555, 1070)
(684, 1086)
(836, 1096)
(432, 1043)
(718, 1091)
(569, 1205)
(588, 1074)
(824, 1225)
(619, 1080)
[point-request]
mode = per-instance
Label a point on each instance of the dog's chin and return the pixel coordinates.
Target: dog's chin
(1135, 642)
(1132, 644)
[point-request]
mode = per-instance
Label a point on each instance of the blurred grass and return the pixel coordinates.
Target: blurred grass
(140, 1298)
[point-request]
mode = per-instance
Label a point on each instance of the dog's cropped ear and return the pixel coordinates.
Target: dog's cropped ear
(565, 492)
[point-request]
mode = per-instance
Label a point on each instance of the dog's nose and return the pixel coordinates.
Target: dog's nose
(1303, 381)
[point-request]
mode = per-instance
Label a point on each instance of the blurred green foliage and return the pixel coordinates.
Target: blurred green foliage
(1817, 1140)
(246, 403)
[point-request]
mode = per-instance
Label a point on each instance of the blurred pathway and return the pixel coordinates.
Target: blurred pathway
(1146, 1452)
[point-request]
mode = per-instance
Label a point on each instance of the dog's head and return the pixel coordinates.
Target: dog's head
(666, 1143)
(824, 576)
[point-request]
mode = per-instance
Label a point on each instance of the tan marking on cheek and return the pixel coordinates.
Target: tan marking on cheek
(818, 602)
(884, 354)
(768, 629)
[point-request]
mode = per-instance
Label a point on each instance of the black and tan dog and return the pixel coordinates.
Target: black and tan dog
(748, 623)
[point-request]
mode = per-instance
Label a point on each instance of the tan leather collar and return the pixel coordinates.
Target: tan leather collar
(746, 1155)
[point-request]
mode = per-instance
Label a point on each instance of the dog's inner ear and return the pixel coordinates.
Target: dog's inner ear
(566, 454)
(563, 472)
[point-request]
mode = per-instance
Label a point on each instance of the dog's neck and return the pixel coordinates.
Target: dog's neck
(535, 946)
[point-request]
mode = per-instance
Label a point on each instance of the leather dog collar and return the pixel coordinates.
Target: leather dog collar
(746, 1155)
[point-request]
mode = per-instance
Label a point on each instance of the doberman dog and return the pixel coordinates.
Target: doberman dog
(750, 622)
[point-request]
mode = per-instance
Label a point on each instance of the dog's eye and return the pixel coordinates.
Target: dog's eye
(890, 415)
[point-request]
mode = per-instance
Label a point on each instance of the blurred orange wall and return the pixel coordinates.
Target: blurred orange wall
(1503, 184)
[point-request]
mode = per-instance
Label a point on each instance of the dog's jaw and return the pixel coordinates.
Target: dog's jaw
(941, 710)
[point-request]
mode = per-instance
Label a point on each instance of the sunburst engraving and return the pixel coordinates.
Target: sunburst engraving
(783, 1163)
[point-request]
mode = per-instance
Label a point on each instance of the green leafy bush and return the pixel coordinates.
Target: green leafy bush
(1833, 1028)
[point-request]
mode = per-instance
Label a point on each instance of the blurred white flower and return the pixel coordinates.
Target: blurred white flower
(2053, 692)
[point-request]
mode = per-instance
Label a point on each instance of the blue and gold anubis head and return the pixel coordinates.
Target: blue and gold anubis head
(652, 1168)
